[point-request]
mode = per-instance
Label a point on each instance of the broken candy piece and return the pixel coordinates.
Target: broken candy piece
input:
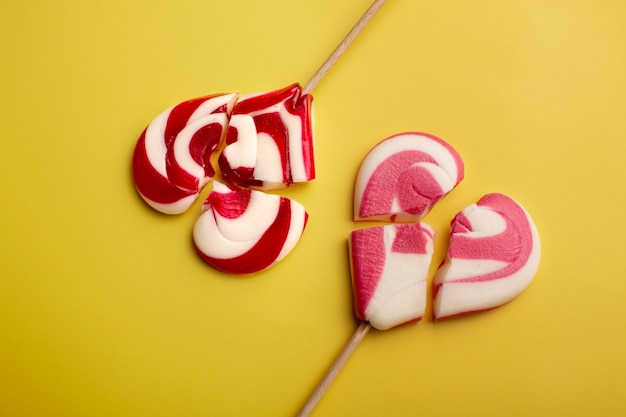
(403, 176)
(245, 231)
(282, 136)
(493, 256)
(171, 161)
(389, 270)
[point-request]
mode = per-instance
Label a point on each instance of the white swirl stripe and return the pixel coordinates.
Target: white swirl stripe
(246, 231)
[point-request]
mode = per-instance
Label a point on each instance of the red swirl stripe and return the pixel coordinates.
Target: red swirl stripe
(236, 249)
(158, 176)
(151, 184)
(277, 114)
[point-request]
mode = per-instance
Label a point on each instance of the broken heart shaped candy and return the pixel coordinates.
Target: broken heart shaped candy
(494, 247)
(262, 141)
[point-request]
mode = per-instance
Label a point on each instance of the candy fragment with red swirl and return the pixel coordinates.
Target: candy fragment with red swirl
(403, 176)
(171, 161)
(243, 231)
(283, 140)
(389, 270)
(493, 256)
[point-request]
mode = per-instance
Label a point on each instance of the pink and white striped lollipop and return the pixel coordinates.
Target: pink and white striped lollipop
(493, 256)
(171, 162)
(275, 148)
(389, 271)
(243, 231)
(403, 176)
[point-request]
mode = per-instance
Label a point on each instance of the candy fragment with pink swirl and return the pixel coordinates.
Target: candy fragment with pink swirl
(493, 256)
(403, 176)
(243, 231)
(389, 271)
(282, 153)
(171, 161)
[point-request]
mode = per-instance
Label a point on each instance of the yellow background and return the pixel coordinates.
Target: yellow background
(106, 310)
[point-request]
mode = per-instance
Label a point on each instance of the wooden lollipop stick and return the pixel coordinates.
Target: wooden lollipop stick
(364, 327)
(343, 45)
(341, 360)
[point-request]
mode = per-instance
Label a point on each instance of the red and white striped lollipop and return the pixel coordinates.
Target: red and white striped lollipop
(389, 271)
(243, 231)
(276, 150)
(493, 256)
(264, 140)
(403, 176)
(171, 162)
(269, 145)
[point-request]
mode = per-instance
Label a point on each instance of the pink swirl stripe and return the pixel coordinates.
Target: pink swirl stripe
(513, 245)
(415, 188)
(389, 269)
(403, 176)
(492, 257)
(368, 261)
